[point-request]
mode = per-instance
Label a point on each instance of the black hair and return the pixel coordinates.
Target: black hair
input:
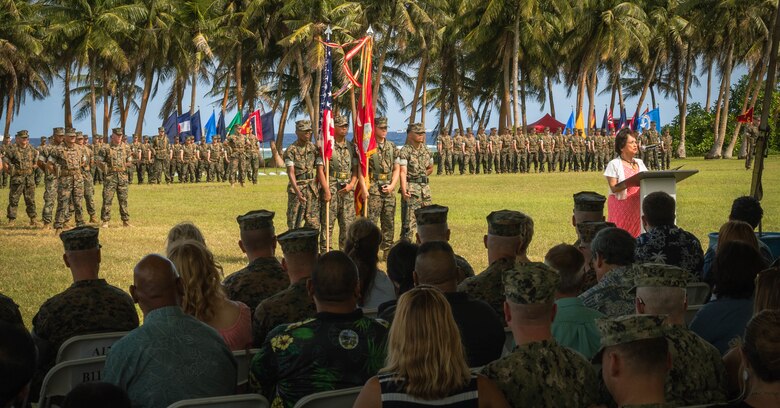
(334, 277)
(659, 208)
(400, 265)
(748, 209)
(17, 361)
(615, 245)
(621, 139)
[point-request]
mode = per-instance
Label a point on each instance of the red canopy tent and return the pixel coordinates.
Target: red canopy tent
(546, 121)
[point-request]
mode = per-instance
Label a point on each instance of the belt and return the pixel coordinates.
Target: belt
(117, 169)
(382, 177)
(340, 175)
(306, 176)
(421, 180)
(26, 172)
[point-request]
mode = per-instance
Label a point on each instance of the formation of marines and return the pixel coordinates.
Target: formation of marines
(542, 150)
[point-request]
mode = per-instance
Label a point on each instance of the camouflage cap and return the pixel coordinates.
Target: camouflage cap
(97, 136)
(432, 214)
(530, 283)
(58, 131)
(340, 121)
(117, 131)
(69, 128)
(415, 128)
(303, 125)
(80, 135)
(625, 329)
(586, 230)
(380, 121)
(80, 238)
(161, 129)
(508, 223)
(661, 275)
(589, 201)
(22, 134)
(255, 220)
(70, 132)
(299, 240)
(43, 138)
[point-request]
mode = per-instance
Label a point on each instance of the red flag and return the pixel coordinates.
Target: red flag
(746, 117)
(327, 129)
(610, 121)
(364, 123)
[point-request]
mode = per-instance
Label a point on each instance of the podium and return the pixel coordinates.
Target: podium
(652, 181)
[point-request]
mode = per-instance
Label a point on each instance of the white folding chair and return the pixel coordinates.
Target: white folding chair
(330, 399)
(692, 310)
(87, 345)
(228, 401)
(509, 342)
(698, 293)
(64, 376)
(244, 358)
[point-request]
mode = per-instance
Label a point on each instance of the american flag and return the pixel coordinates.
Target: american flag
(326, 103)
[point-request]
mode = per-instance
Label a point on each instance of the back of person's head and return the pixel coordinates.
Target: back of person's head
(662, 300)
(761, 346)
(9, 311)
(735, 269)
(616, 246)
(747, 209)
(362, 246)
(400, 265)
(737, 231)
(659, 209)
(183, 231)
(201, 277)
(767, 290)
(97, 395)
(424, 347)
(17, 363)
(334, 278)
(644, 357)
(435, 264)
(156, 283)
(569, 262)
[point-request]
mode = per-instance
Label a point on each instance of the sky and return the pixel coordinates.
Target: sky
(39, 117)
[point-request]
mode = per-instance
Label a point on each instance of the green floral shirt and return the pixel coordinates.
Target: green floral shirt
(328, 352)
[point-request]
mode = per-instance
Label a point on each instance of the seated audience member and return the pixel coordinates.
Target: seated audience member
(746, 209)
(613, 258)
(183, 231)
(9, 311)
(761, 356)
(733, 231)
(724, 319)
(481, 330)
(17, 364)
(426, 362)
(509, 235)
(697, 375)
(767, 297)
(539, 372)
(586, 231)
(172, 356)
(263, 276)
(400, 270)
(294, 303)
(362, 246)
(665, 242)
(337, 348)
(96, 395)
(635, 359)
(588, 206)
(432, 226)
(89, 305)
(574, 325)
(204, 297)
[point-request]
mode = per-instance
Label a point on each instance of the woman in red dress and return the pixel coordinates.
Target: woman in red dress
(623, 204)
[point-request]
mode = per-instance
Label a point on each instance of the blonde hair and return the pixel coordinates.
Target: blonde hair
(762, 345)
(181, 231)
(424, 348)
(201, 277)
(767, 290)
(737, 231)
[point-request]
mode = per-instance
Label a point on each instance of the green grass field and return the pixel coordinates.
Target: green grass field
(31, 267)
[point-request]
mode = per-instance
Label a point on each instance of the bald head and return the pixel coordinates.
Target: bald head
(503, 247)
(435, 265)
(156, 283)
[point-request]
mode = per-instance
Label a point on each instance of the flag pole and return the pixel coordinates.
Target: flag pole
(326, 161)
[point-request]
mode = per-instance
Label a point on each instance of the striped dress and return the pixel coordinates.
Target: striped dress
(394, 396)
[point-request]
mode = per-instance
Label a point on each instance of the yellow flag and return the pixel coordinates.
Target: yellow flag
(580, 123)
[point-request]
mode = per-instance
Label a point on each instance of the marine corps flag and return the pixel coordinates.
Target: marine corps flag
(364, 123)
(746, 117)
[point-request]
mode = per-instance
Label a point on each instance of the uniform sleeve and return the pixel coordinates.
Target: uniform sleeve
(318, 157)
(403, 157)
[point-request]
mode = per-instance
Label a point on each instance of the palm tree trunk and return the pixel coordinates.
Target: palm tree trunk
(515, 73)
(612, 99)
(316, 120)
(282, 122)
(619, 86)
(304, 89)
(92, 99)
(648, 81)
(106, 104)
(442, 107)
(194, 84)
(709, 88)
(456, 107)
(748, 91)
(179, 94)
(550, 96)
(239, 84)
(66, 102)
(148, 80)
(652, 97)
(9, 111)
(226, 94)
(483, 115)
(503, 118)
(720, 135)
(418, 87)
(592, 84)
(377, 79)
(523, 80)
(681, 153)
(581, 79)
(424, 103)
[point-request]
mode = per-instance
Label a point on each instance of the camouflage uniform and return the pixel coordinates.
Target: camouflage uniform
(652, 138)
(237, 156)
(751, 136)
(507, 142)
(343, 166)
(86, 175)
(203, 164)
(581, 151)
(254, 159)
(546, 151)
(4, 173)
(148, 159)
(416, 160)
(176, 163)
(97, 146)
(533, 153)
(435, 214)
(470, 158)
(487, 286)
(115, 157)
(666, 153)
(39, 173)
(50, 178)
(302, 159)
(21, 162)
(482, 154)
(137, 166)
(445, 154)
(189, 160)
(494, 157)
(541, 373)
(521, 153)
(70, 185)
(381, 206)
(161, 157)
(458, 154)
(559, 151)
(217, 161)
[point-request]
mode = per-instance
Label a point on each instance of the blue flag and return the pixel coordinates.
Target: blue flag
(171, 127)
(622, 122)
(221, 130)
(195, 126)
(267, 121)
(211, 128)
(651, 116)
(184, 127)
(604, 124)
(570, 123)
